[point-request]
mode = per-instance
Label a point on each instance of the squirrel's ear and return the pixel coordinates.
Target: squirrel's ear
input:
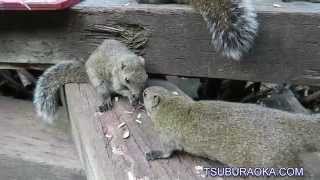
(142, 60)
(155, 100)
(122, 66)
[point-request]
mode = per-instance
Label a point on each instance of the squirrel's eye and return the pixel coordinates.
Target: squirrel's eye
(127, 80)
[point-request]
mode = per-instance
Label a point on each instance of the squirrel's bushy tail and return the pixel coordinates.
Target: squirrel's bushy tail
(232, 23)
(46, 92)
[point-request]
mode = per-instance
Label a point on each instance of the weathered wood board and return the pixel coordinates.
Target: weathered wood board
(287, 49)
(311, 161)
(31, 151)
(107, 155)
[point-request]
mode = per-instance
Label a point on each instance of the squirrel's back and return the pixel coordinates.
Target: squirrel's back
(115, 49)
(108, 55)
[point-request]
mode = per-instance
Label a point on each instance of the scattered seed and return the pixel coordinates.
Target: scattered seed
(116, 99)
(198, 168)
(175, 93)
(108, 136)
(126, 134)
(204, 176)
(306, 92)
(117, 151)
(121, 125)
(138, 121)
(276, 5)
(139, 116)
(128, 112)
(96, 114)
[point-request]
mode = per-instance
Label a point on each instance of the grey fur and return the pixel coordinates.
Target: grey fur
(45, 96)
(232, 35)
(111, 68)
(232, 23)
(239, 135)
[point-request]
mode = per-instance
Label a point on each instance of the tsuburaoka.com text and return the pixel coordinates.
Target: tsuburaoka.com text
(253, 172)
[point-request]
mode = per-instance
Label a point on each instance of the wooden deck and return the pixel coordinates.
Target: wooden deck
(31, 151)
(287, 49)
(107, 155)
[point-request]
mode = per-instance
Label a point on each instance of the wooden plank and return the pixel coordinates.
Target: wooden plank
(287, 49)
(29, 150)
(107, 155)
(311, 161)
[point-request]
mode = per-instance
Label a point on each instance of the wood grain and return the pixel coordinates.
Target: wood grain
(287, 49)
(31, 150)
(107, 155)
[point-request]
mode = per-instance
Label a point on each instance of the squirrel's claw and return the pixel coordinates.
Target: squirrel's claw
(150, 156)
(153, 155)
(106, 105)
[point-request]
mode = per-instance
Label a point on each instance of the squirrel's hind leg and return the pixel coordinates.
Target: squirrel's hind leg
(168, 146)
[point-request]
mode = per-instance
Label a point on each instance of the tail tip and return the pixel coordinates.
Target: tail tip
(234, 54)
(45, 117)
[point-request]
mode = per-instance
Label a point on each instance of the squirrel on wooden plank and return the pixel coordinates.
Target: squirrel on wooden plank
(232, 23)
(111, 68)
(236, 134)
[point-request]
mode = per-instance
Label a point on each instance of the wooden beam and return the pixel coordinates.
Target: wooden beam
(311, 161)
(107, 155)
(287, 49)
(30, 150)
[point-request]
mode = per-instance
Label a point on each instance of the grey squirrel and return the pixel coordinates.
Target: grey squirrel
(111, 68)
(238, 135)
(232, 23)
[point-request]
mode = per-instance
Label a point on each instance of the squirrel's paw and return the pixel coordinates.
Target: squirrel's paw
(153, 155)
(150, 156)
(134, 100)
(106, 105)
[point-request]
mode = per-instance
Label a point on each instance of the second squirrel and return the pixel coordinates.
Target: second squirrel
(238, 135)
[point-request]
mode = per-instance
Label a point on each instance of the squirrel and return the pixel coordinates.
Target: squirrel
(232, 23)
(111, 68)
(236, 134)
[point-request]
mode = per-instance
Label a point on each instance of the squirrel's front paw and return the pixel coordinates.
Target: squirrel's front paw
(106, 105)
(153, 155)
(134, 100)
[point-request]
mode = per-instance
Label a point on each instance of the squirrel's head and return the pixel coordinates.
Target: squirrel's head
(129, 77)
(153, 97)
